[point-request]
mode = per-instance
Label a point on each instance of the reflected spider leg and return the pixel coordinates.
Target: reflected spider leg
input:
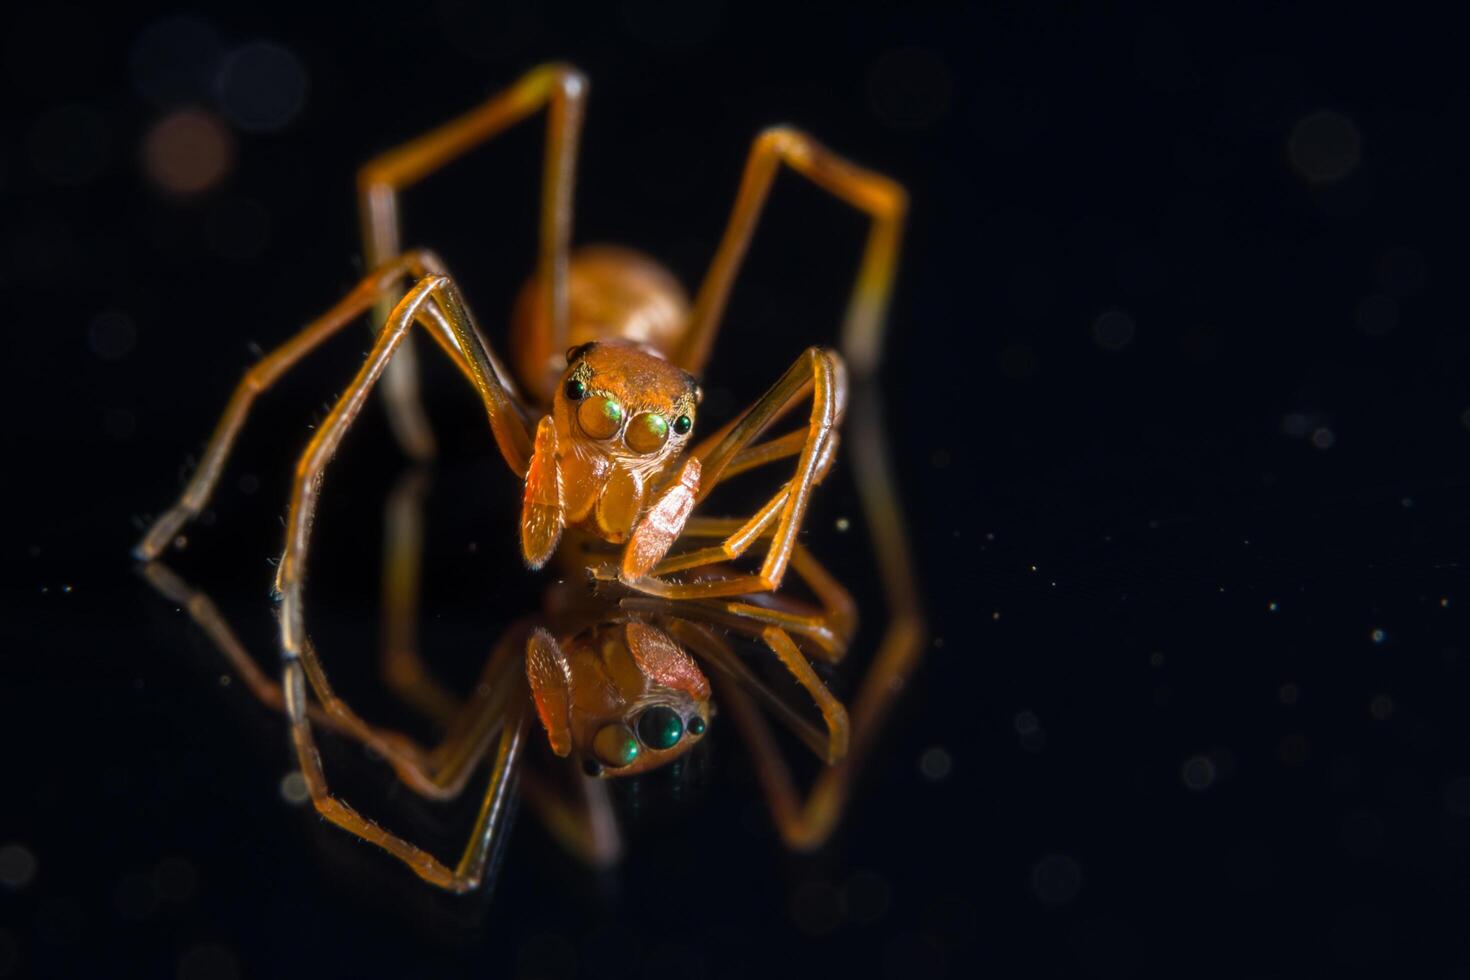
(467, 874)
(563, 90)
(584, 824)
(772, 619)
(818, 371)
(265, 373)
(206, 615)
(829, 630)
(404, 672)
(879, 196)
(499, 707)
(805, 823)
(437, 775)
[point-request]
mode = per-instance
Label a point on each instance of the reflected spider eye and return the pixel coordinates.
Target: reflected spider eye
(660, 727)
(615, 746)
(647, 433)
(683, 424)
(600, 418)
(575, 390)
(696, 725)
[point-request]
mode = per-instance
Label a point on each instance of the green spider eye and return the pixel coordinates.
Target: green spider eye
(600, 418)
(615, 746)
(696, 725)
(683, 424)
(647, 433)
(575, 390)
(660, 727)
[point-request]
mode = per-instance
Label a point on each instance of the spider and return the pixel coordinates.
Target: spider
(607, 349)
(618, 684)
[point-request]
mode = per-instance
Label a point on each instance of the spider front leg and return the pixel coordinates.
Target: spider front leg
(817, 371)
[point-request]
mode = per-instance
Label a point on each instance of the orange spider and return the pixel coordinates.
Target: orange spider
(601, 426)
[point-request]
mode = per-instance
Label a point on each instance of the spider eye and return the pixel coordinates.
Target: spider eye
(647, 433)
(575, 390)
(683, 424)
(600, 418)
(696, 725)
(615, 746)
(591, 767)
(660, 727)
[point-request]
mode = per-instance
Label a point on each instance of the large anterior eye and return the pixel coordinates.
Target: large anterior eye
(615, 746)
(600, 418)
(660, 727)
(647, 433)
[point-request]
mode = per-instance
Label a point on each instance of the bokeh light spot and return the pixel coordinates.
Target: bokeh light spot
(1056, 879)
(187, 152)
(1198, 773)
(111, 335)
(936, 763)
(261, 87)
(1377, 314)
(209, 962)
(293, 788)
(1324, 146)
(18, 866)
(1113, 330)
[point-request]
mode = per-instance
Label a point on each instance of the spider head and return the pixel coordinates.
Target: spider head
(623, 696)
(623, 401)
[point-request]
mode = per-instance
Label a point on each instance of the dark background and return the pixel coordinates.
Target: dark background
(1177, 396)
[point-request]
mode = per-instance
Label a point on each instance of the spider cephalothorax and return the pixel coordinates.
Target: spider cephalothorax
(624, 696)
(622, 415)
(606, 458)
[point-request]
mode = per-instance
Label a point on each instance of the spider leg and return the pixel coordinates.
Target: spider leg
(403, 669)
(437, 775)
(506, 424)
(563, 90)
(583, 821)
(862, 332)
(469, 871)
(267, 371)
(827, 632)
(832, 745)
(819, 372)
(805, 822)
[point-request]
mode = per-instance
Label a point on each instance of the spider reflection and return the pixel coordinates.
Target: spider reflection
(618, 683)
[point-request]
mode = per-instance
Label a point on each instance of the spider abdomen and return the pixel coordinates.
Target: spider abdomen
(612, 293)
